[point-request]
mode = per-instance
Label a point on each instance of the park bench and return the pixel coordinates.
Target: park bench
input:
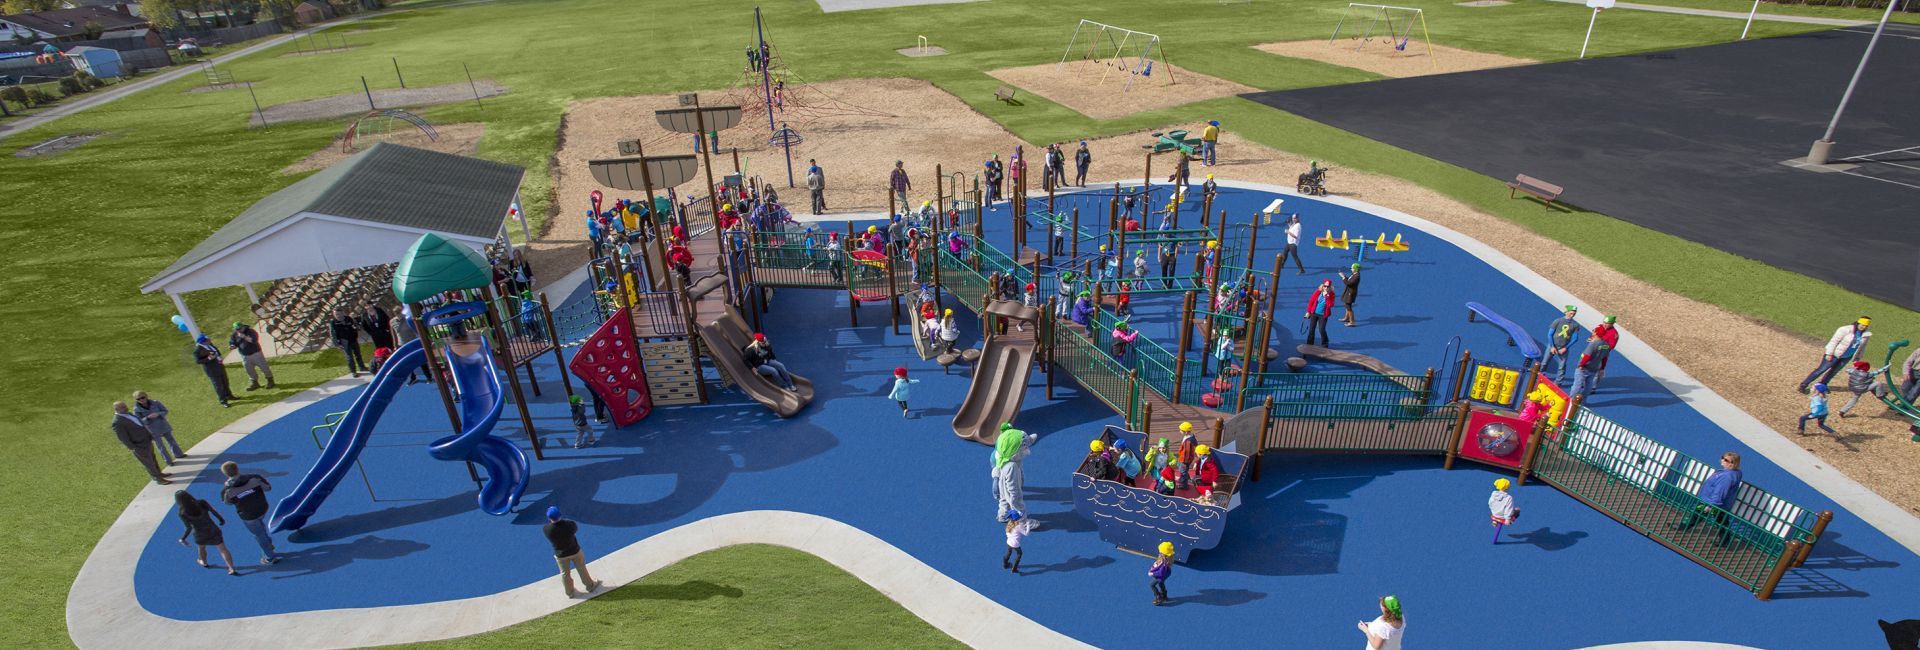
(1005, 94)
(1543, 190)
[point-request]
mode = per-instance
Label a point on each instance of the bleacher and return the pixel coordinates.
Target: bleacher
(294, 311)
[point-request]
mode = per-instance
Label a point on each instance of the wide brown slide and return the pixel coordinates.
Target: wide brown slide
(999, 379)
(725, 336)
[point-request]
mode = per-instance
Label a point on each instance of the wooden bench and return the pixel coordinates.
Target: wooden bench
(1540, 189)
(1005, 94)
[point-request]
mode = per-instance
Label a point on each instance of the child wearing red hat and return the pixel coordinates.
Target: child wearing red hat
(902, 388)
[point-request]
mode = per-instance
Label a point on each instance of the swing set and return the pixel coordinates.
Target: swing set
(1134, 58)
(1398, 21)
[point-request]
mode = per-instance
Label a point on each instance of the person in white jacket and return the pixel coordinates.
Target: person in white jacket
(1847, 345)
(1501, 508)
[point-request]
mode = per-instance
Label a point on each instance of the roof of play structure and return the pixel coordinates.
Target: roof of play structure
(366, 210)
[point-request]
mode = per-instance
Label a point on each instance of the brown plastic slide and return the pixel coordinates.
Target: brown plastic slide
(999, 385)
(725, 336)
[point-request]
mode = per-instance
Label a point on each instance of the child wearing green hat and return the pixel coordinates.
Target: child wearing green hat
(1349, 293)
(583, 432)
(1383, 633)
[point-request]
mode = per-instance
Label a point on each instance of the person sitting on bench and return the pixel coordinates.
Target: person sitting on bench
(759, 357)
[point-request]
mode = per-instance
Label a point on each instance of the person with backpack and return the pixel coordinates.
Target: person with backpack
(247, 493)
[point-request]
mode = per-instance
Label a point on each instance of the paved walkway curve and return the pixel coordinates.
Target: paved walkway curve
(103, 611)
(1735, 15)
(122, 90)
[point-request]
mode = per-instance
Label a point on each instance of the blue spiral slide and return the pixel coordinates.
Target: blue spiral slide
(480, 406)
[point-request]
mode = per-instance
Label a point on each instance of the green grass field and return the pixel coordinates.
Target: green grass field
(90, 225)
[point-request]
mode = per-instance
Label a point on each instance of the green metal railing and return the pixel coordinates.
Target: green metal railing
(330, 421)
(1098, 372)
(1651, 487)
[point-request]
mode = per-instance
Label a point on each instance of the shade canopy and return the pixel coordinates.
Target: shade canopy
(625, 173)
(436, 265)
(363, 211)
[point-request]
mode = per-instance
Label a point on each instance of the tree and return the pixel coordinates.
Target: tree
(10, 7)
(164, 14)
(93, 29)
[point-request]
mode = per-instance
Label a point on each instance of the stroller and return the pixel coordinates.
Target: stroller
(1314, 182)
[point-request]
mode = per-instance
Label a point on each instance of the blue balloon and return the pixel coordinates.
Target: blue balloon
(178, 322)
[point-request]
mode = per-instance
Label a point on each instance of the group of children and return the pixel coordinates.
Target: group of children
(1166, 468)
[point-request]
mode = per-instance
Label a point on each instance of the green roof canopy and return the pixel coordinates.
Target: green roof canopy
(435, 265)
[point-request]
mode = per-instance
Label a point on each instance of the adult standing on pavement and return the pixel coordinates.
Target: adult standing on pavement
(346, 337)
(1842, 350)
(208, 356)
(816, 187)
(153, 414)
(1383, 633)
(246, 342)
(247, 493)
(563, 533)
(899, 183)
(134, 436)
(1593, 361)
(1082, 159)
(1293, 245)
(1561, 335)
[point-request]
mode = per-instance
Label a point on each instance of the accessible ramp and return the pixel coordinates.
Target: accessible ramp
(349, 437)
(724, 338)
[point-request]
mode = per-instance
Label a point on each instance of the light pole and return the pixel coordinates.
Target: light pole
(1824, 146)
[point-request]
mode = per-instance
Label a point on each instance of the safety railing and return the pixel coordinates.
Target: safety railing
(1097, 372)
(657, 314)
(1652, 488)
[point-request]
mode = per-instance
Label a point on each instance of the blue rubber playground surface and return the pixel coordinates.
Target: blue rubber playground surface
(1310, 548)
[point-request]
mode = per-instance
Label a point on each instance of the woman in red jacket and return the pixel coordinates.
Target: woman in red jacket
(1319, 310)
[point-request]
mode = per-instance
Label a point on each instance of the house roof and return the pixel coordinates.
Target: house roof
(389, 185)
(310, 4)
(83, 49)
(68, 22)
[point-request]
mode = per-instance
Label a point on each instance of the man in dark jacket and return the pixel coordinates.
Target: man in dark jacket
(246, 342)
(208, 356)
(247, 493)
(341, 330)
(134, 436)
(1082, 159)
(374, 321)
(759, 356)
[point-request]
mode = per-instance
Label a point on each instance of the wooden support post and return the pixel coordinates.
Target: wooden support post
(1460, 382)
(1794, 549)
(532, 381)
(1426, 388)
(1206, 206)
(1533, 450)
(1050, 196)
(1820, 522)
(1146, 184)
(1453, 438)
(940, 195)
(1047, 323)
(893, 293)
(1075, 234)
(1259, 452)
(1217, 423)
(1146, 422)
(433, 365)
(504, 356)
(853, 306)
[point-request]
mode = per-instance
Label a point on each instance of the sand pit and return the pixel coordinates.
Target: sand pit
(353, 103)
(1078, 85)
(921, 125)
(462, 139)
(1379, 57)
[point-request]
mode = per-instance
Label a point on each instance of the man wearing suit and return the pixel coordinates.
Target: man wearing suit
(134, 436)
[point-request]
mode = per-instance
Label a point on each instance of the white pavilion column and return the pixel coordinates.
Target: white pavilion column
(253, 298)
(180, 306)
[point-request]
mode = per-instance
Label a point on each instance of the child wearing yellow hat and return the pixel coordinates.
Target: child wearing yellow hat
(1161, 569)
(1501, 508)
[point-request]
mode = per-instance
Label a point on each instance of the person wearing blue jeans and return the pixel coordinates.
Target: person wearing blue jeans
(247, 493)
(1209, 139)
(1593, 362)
(1843, 349)
(759, 356)
(1561, 335)
(154, 414)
